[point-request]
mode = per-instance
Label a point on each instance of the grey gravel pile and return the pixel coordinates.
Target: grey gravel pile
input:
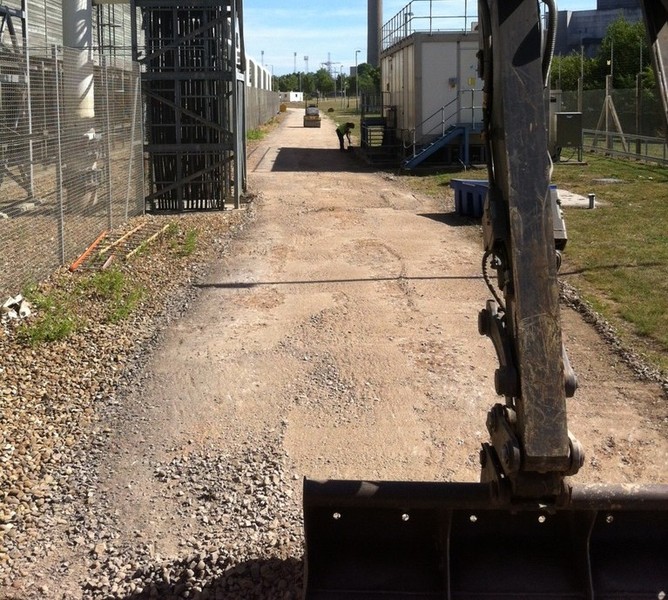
(244, 541)
(57, 402)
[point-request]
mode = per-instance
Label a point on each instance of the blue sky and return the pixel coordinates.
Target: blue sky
(334, 28)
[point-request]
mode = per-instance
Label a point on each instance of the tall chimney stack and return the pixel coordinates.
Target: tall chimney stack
(375, 27)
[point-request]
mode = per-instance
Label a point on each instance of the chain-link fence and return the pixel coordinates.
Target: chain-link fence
(639, 111)
(71, 157)
(625, 122)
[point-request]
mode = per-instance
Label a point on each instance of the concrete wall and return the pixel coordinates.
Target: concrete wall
(614, 4)
(261, 107)
(588, 27)
(257, 76)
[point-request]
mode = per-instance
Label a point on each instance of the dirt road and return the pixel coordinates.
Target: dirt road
(343, 325)
(338, 338)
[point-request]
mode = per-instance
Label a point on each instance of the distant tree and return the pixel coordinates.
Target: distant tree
(323, 81)
(368, 79)
(288, 83)
(308, 83)
(624, 52)
(566, 71)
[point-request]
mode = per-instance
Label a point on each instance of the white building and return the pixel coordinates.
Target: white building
(292, 96)
(432, 95)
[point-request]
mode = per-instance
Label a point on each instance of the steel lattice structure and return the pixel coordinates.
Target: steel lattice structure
(193, 81)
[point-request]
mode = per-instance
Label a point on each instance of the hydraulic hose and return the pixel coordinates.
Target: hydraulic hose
(551, 39)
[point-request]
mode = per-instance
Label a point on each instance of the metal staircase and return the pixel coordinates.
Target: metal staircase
(449, 135)
(439, 130)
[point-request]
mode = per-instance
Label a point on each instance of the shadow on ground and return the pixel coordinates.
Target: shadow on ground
(247, 285)
(452, 219)
(316, 159)
(270, 579)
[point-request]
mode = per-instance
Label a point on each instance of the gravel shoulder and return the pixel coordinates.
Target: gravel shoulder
(328, 330)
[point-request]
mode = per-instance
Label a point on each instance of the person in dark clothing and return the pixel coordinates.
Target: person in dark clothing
(342, 131)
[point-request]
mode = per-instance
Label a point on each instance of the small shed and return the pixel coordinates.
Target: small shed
(429, 76)
(431, 83)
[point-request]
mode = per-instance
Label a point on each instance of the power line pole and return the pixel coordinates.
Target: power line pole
(329, 64)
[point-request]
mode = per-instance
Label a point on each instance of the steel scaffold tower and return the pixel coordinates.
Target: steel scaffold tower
(193, 65)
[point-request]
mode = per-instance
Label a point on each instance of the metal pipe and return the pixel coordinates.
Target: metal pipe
(26, 50)
(137, 86)
(107, 111)
(78, 35)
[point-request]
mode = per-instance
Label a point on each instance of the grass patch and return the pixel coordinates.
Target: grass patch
(172, 230)
(55, 319)
(189, 244)
(617, 254)
(112, 290)
(182, 244)
(55, 312)
(255, 134)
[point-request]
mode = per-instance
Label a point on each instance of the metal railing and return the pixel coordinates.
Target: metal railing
(427, 16)
(443, 122)
(71, 158)
(630, 146)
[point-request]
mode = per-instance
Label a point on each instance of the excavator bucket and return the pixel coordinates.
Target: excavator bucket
(455, 541)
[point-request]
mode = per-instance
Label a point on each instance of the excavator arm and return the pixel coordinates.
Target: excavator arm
(656, 19)
(524, 531)
(530, 450)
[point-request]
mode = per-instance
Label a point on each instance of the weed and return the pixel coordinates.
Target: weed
(52, 319)
(189, 243)
(121, 310)
(106, 285)
(172, 230)
(114, 292)
(255, 134)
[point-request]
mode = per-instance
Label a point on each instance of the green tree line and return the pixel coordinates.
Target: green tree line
(323, 84)
(623, 54)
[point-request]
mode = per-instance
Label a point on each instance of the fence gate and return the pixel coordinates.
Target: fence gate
(193, 58)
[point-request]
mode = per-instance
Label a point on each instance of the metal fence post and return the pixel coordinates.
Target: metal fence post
(26, 50)
(107, 109)
(137, 84)
(59, 162)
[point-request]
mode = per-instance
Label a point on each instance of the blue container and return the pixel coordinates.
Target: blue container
(470, 196)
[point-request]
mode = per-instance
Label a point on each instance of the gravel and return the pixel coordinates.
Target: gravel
(237, 511)
(60, 403)
(636, 363)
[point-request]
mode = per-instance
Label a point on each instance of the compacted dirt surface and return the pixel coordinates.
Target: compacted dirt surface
(336, 338)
